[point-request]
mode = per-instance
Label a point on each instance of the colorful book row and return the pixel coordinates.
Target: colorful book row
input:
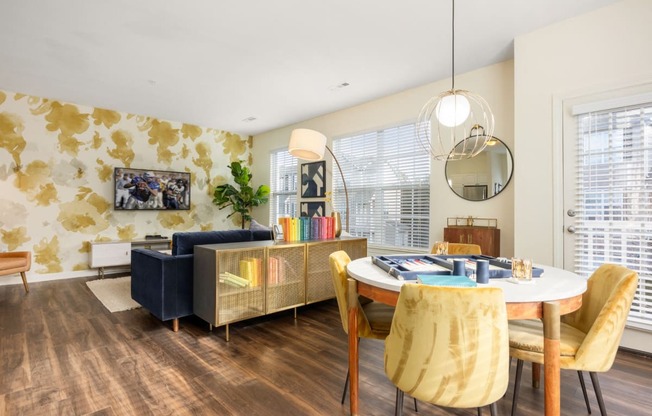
(307, 228)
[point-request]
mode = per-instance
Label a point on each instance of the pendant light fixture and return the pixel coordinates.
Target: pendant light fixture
(455, 112)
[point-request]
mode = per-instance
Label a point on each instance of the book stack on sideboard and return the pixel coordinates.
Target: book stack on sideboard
(307, 228)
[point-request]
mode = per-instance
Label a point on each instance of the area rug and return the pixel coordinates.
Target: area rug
(115, 294)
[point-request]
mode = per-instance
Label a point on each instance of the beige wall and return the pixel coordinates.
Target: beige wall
(494, 83)
(595, 52)
(56, 178)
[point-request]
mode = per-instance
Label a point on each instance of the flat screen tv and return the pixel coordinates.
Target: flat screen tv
(148, 189)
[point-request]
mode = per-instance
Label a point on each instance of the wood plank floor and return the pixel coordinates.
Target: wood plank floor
(63, 353)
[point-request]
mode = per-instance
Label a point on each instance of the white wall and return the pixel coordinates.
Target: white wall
(596, 51)
(494, 83)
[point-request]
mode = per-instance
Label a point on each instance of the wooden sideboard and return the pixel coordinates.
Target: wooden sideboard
(238, 281)
(488, 238)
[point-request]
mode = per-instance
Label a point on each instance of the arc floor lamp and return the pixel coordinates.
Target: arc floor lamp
(310, 145)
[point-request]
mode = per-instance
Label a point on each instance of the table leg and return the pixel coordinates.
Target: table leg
(551, 334)
(353, 345)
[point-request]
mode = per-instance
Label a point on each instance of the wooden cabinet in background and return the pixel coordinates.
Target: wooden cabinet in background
(488, 238)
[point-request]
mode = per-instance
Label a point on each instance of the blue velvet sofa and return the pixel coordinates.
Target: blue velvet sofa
(162, 283)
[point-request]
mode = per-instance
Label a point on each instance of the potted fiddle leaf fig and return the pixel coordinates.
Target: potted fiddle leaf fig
(243, 199)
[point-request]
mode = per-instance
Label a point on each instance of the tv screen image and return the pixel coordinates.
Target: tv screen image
(148, 189)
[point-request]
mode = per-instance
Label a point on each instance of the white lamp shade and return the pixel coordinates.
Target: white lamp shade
(453, 110)
(307, 144)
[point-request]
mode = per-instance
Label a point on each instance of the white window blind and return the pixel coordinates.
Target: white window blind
(283, 185)
(387, 174)
(614, 197)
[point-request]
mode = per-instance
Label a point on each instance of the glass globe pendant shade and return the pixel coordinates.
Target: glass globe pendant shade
(441, 137)
(452, 110)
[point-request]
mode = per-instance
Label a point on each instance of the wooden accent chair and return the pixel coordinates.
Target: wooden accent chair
(449, 346)
(374, 318)
(461, 248)
(13, 262)
(589, 337)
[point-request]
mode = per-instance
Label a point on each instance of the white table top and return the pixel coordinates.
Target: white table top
(554, 284)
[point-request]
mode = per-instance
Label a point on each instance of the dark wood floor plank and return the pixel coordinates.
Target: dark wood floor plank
(63, 353)
(15, 363)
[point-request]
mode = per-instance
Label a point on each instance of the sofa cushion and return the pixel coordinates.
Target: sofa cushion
(184, 243)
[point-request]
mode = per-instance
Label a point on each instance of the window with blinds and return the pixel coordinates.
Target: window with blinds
(283, 185)
(387, 174)
(614, 197)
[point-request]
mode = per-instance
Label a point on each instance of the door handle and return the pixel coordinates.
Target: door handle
(571, 229)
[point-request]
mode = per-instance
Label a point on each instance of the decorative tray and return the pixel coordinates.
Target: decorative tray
(407, 267)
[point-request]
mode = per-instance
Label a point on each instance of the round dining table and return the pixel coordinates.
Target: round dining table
(556, 292)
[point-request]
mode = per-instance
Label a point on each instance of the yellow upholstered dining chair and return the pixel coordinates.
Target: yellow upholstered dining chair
(461, 248)
(13, 262)
(374, 318)
(449, 346)
(589, 337)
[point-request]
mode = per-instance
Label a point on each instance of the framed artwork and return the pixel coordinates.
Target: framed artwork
(313, 179)
(313, 209)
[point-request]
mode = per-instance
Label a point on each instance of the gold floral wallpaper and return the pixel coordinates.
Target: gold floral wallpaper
(56, 177)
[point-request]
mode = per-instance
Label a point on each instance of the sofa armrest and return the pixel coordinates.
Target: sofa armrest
(162, 283)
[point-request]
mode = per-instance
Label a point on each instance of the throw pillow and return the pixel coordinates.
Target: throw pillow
(256, 226)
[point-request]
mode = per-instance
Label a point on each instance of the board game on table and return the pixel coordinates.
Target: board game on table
(407, 267)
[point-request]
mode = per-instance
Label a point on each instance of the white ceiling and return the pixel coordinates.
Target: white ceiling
(215, 62)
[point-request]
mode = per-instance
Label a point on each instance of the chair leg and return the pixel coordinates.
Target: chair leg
(346, 386)
(398, 410)
(536, 375)
(586, 396)
(479, 411)
(22, 274)
(493, 409)
(517, 385)
(598, 392)
(416, 409)
(510, 369)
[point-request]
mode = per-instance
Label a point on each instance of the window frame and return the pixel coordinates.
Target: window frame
(610, 207)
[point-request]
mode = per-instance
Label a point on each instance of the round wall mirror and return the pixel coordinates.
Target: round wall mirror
(483, 176)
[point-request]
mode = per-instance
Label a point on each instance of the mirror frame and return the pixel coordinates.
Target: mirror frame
(509, 178)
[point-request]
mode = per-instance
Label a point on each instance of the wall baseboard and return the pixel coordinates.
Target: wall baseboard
(33, 277)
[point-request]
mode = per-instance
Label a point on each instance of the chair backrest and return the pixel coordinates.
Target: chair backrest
(602, 316)
(338, 262)
(449, 345)
(461, 248)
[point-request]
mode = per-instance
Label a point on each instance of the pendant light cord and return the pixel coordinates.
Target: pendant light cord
(453, 47)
